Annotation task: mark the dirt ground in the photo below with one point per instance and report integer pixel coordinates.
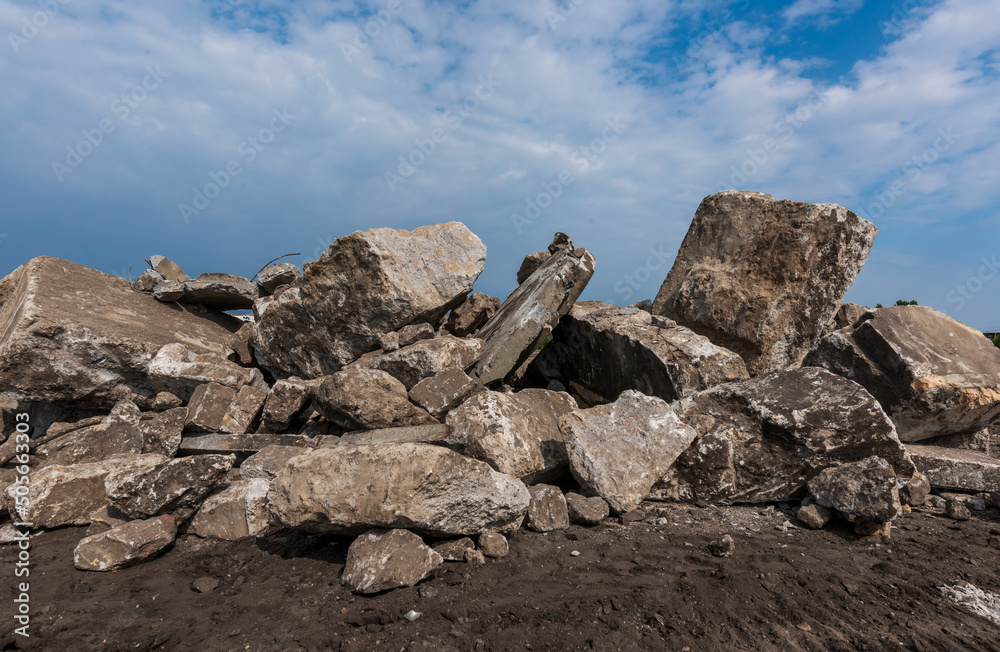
(650, 585)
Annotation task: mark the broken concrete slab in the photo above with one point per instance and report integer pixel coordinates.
(241, 416)
(240, 510)
(953, 469)
(380, 560)
(117, 433)
(517, 433)
(176, 487)
(148, 280)
(412, 363)
(608, 349)
(366, 284)
(286, 400)
(162, 431)
(866, 489)
(268, 462)
(366, 399)
(274, 276)
(167, 268)
(530, 313)
(125, 545)
(241, 445)
(429, 489)
(586, 510)
(221, 291)
(182, 370)
(208, 406)
(443, 392)
(764, 277)
(618, 451)
(470, 315)
(168, 291)
(763, 439)
(74, 337)
(434, 433)
(933, 375)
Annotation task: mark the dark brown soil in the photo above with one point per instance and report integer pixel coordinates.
(651, 585)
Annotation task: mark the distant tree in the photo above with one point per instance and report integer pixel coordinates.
(900, 302)
(996, 340)
(879, 305)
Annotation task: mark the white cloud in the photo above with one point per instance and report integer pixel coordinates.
(827, 11)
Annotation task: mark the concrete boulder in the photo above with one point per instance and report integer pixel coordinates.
(443, 392)
(117, 433)
(619, 450)
(221, 291)
(76, 337)
(429, 489)
(607, 349)
(268, 462)
(547, 509)
(240, 510)
(866, 489)
(530, 313)
(470, 315)
(366, 399)
(764, 277)
(956, 470)
(176, 487)
(933, 375)
(274, 276)
(763, 439)
(381, 559)
(412, 363)
(126, 545)
(516, 433)
(366, 284)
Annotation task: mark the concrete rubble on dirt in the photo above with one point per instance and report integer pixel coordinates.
(375, 395)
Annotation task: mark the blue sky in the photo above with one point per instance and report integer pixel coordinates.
(223, 134)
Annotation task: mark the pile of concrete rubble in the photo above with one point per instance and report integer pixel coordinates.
(375, 395)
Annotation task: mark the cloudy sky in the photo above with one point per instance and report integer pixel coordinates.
(225, 133)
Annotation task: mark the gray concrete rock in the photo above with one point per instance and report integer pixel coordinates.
(168, 269)
(268, 462)
(493, 544)
(933, 375)
(274, 276)
(168, 291)
(619, 450)
(241, 416)
(956, 509)
(916, 490)
(814, 517)
(586, 510)
(425, 488)
(239, 344)
(414, 333)
(366, 284)
(530, 264)
(69, 495)
(166, 401)
(764, 277)
(443, 392)
(286, 400)
(176, 487)
(412, 363)
(182, 370)
(547, 509)
(516, 433)
(956, 470)
(530, 313)
(470, 315)
(433, 433)
(366, 399)
(147, 281)
(74, 337)
(162, 431)
(125, 545)
(763, 439)
(221, 291)
(117, 433)
(607, 349)
(455, 549)
(240, 510)
(865, 489)
(380, 560)
(206, 411)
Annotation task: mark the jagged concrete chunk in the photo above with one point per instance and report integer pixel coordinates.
(956, 470)
(242, 445)
(435, 433)
(764, 277)
(586, 510)
(208, 406)
(531, 312)
(411, 364)
(69, 495)
(147, 281)
(168, 291)
(162, 432)
(168, 269)
(286, 400)
(866, 489)
(608, 349)
(443, 391)
(455, 549)
(242, 412)
(763, 439)
(176, 366)
(119, 432)
(933, 375)
(125, 545)
(516, 433)
(240, 510)
(268, 462)
(221, 291)
(175, 487)
(274, 276)
(414, 333)
(469, 316)
(380, 560)
(74, 337)
(429, 489)
(530, 265)
(366, 284)
(366, 399)
(547, 510)
(619, 450)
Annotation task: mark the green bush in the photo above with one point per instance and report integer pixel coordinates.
(900, 302)
(996, 340)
